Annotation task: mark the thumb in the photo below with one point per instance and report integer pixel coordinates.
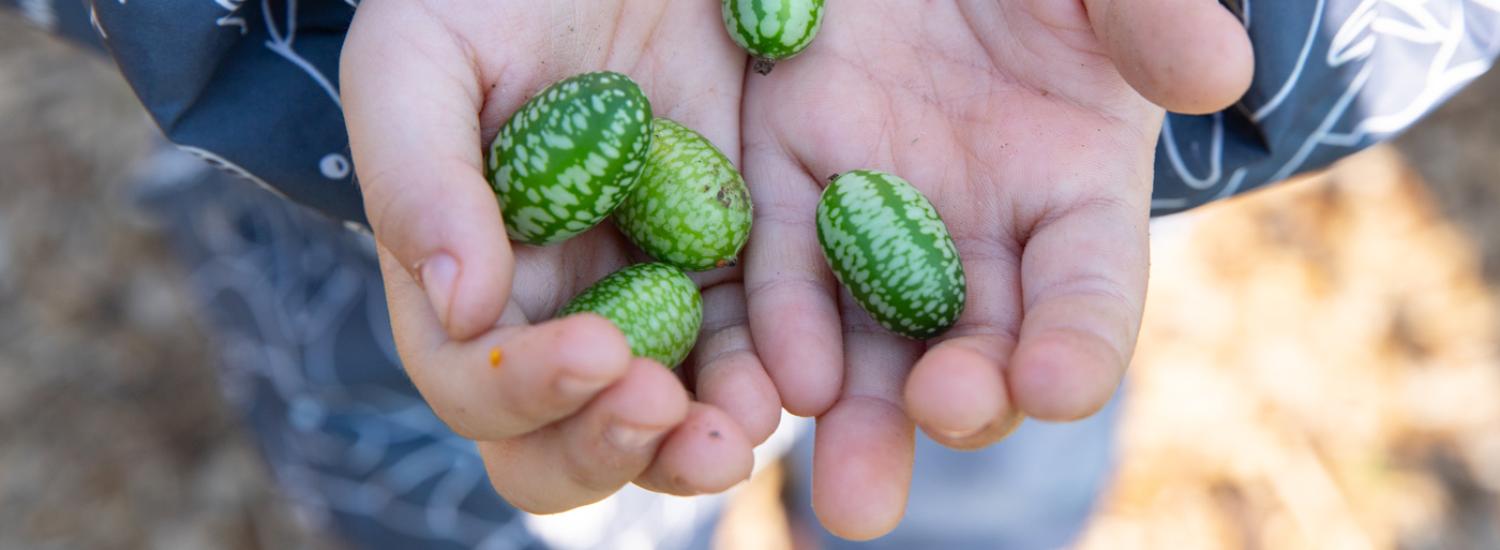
(1187, 56)
(413, 115)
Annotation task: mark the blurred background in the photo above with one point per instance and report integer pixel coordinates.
(1319, 367)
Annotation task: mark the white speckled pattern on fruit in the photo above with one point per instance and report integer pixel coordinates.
(773, 29)
(887, 244)
(656, 305)
(569, 156)
(690, 208)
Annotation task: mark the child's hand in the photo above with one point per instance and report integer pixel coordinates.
(1014, 118)
(562, 414)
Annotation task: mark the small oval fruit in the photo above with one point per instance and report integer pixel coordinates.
(887, 244)
(569, 156)
(656, 305)
(690, 208)
(773, 30)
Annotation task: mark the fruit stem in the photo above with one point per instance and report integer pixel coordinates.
(763, 65)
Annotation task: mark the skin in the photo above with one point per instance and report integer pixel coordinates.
(1031, 126)
(1029, 123)
(567, 417)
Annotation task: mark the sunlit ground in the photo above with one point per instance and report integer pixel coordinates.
(1318, 369)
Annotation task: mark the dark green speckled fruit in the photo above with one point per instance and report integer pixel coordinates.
(886, 243)
(569, 156)
(656, 305)
(773, 30)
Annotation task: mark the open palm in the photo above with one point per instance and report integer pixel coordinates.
(1019, 124)
(562, 414)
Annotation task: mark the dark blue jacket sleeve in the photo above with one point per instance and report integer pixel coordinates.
(251, 86)
(1331, 78)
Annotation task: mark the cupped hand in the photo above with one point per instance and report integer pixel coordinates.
(1031, 126)
(562, 414)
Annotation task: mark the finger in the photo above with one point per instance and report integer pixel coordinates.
(791, 293)
(699, 87)
(507, 381)
(1188, 56)
(958, 396)
(707, 453)
(411, 101)
(590, 456)
(864, 445)
(728, 374)
(957, 392)
(1084, 289)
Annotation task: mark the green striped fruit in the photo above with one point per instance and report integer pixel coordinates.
(772, 30)
(656, 305)
(569, 156)
(690, 208)
(886, 243)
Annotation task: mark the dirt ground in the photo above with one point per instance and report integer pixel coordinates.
(1319, 362)
(112, 431)
(1318, 367)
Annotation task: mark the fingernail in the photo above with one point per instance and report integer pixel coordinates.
(577, 389)
(632, 439)
(437, 275)
(959, 435)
